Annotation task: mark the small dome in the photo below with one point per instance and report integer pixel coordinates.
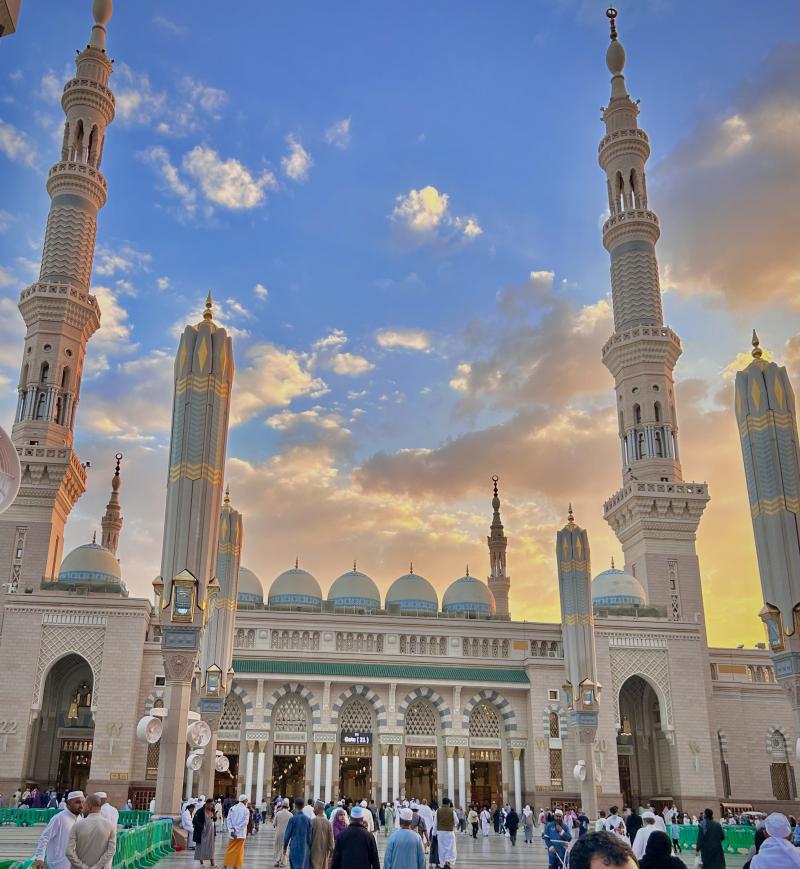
(413, 594)
(250, 592)
(615, 58)
(354, 590)
(295, 589)
(469, 596)
(91, 564)
(617, 588)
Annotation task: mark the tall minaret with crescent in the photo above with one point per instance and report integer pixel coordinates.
(499, 581)
(60, 315)
(656, 513)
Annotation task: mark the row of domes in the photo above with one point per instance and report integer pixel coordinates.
(412, 594)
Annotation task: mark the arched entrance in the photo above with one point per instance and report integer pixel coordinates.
(643, 750)
(485, 754)
(64, 731)
(421, 755)
(228, 742)
(290, 736)
(356, 727)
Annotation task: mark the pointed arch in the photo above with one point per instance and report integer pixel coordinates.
(500, 703)
(359, 691)
(547, 720)
(150, 700)
(436, 699)
(293, 688)
(247, 703)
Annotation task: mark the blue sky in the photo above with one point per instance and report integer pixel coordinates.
(398, 209)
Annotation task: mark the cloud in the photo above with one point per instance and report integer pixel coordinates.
(737, 177)
(136, 102)
(260, 291)
(113, 336)
(12, 334)
(51, 87)
(228, 183)
(127, 258)
(403, 339)
(171, 180)
(7, 278)
(169, 26)
(328, 354)
(6, 219)
(163, 283)
(297, 163)
(460, 380)
(425, 214)
(16, 145)
(273, 377)
(338, 134)
(316, 425)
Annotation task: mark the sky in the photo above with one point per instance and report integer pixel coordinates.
(397, 209)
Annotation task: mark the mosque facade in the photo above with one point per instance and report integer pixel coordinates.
(324, 689)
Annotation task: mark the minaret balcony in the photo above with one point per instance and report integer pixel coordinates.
(656, 507)
(622, 143)
(635, 223)
(79, 178)
(85, 92)
(60, 303)
(649, 345)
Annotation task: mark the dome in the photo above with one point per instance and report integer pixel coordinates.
(91, 564)
(468, 596)
(354, 590)
(250, 592)
(617, 588)
(413, 594)
(295, 589)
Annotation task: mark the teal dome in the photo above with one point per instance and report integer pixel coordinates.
(354, 590)
(469, 596)
(295, 589)
(92, 565)
(414, 595)
(250, 592)
(616, 588)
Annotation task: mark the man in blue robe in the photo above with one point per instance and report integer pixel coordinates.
(297, 838)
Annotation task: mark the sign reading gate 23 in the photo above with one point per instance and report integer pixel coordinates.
(354, 737)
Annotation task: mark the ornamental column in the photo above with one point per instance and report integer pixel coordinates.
(317, 785)
(396, 772)
(462, 791)
(384, 773)
(248, 775)
(328, 771)
(767, 418)
(262, 748)
(517, 753)
(451, 763)
(203, 380)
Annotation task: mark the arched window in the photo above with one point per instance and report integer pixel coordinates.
(421, 720)
(58, 411)
(290, 713)
(93, 143)
(780, 770)
(412, 646)
(65, 143)
(357, 715)
(619, 193)
(657, 411)
(403, 644)
(475, 649)
(659, 445)
(78, 156)
(637, 414)
(641, 450)
(231, 713)
(483, 722)
(40, 406)
(423, 646)
(555, 725)
(634, 190)
(44, 372)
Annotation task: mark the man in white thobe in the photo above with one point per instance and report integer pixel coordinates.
(643, 834)
(486, 819)
(52, 847)
(109, 812)
(426, 813)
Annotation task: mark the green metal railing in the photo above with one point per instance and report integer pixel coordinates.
(137, 848)
(737, 839)
(26, 817)
(130, 818)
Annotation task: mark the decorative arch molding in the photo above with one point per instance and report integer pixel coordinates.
(150, 700)
(359, 691)
(652, 665)
(293, 688)
(436, 700)
(500, 704)
(777, 744)
(57, 642)
(562, 720)
(247, 703)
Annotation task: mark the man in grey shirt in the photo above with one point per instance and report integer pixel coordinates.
(92, 843)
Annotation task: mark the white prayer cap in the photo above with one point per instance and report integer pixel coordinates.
(648, 816)
(242, 798)
(74, 795)
(558, 812)
(405, 804)
(406, 815)
(357, 812)
(363, 804)
(102, 794)
(778, 825)
(285, 802)
(414, 807)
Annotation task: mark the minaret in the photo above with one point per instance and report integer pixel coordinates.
(200, 411)
(581, 691)
(111, 522)
(60, 316)
(499, 581)
(767, 419)
(655, 515)
(216, 660)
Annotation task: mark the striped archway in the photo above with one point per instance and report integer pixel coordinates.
(500, 704)
(437, 701)
(359, 691)
(293, 688)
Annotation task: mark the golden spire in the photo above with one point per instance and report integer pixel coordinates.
(411, 567)
(208, 314)
(611, 14)
(94, 537)
(227, 499)
(757, 351)
(570, 517)
(296, 563)
(355, 569)
(467, 573)
(612, 563)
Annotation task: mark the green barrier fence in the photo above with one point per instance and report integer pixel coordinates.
(26, 817)
(737, 839)
(132, 819)
(137, 848)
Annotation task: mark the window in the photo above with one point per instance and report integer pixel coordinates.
(484, 722)
(357, 715)
(553, 694)
(420, 719)
(19, 553)
(231, 713)
(555, 726)
(723, 754)
(291, 713)
(159, 681)
(637, 414)
(151, 765)
(556, 769)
